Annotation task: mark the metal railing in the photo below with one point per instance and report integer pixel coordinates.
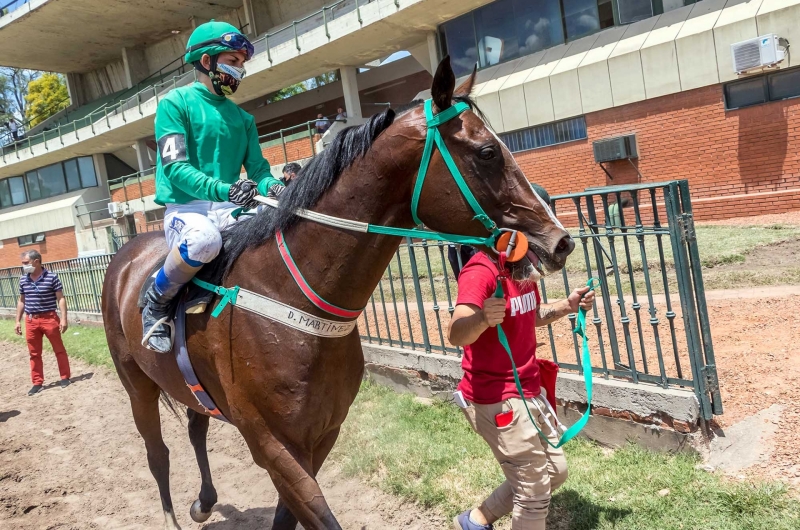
(82, 279)
(7, 8)
(283, 137)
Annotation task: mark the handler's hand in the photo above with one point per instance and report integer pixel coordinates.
(63, 325)
(575, 301)
(18, 328)
(494, 310)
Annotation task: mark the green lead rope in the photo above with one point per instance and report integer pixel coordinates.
(580, 329)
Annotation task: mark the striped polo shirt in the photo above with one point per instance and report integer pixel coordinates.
(40, 295)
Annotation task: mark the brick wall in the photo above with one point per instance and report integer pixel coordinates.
(133, 191)
(751, 156)
(58, 244)
(295, 150)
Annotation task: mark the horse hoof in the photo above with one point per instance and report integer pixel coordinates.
(197, 514)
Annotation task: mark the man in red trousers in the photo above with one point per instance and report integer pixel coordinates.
(41, 293)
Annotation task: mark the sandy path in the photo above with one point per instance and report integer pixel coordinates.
(72, 460)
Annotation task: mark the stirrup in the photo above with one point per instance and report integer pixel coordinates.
(163, 320)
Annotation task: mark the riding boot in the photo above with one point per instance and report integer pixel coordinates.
(157, 327)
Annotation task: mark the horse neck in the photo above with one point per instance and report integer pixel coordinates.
(344, 267)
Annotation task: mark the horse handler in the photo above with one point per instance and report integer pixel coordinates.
(40, 291)
(488, 396)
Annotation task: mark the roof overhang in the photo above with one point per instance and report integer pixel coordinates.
(83, 35)
(43, 217)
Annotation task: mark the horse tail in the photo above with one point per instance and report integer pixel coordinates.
(171, 404)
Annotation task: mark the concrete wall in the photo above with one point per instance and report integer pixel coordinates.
(103, 81)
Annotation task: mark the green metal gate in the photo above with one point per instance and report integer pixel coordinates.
(645, 254)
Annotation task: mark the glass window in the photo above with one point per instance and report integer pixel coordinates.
(545, 135)
(51, 179)
(73, 177)
(34, 192)
(461, 44)
(784, 85)
(581, 18)
(497, 33)
(745, 93)
(634, 10)
(5, 194)
(17, 187)
(538, 24)
(605, 12)
(31, 239)
(88, 176)
(670, 5)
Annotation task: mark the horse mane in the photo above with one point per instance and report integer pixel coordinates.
(313, 180)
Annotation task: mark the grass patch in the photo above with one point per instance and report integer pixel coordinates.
(428, 454)
(87, 343)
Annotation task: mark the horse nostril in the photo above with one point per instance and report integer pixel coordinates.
(565, 246)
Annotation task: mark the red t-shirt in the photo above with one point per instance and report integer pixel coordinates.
(488, 377)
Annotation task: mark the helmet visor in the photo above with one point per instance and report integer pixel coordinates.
(234, 41)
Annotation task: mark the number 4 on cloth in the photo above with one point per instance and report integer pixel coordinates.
(172, 148)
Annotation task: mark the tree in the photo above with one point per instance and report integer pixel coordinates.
(14, 87)
(46, 96)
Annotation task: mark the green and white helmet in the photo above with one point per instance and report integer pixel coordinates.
(213, 38)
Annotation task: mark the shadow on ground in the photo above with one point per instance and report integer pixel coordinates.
(237, 520)
(5, 416)
(76, 379)
(571, 511)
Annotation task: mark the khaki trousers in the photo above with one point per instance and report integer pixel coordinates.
(532, 468)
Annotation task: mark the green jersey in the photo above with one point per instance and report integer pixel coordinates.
(203, 142)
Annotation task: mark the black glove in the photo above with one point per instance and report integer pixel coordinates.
(242, 193)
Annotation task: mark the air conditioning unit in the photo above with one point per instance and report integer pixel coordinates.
(618, 148)
(117, 209)
(762, 52)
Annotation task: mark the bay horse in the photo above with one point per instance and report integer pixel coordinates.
(286, 391)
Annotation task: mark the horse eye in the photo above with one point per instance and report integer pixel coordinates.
(487, 153)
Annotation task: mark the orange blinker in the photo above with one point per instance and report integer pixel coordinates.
(519, 248)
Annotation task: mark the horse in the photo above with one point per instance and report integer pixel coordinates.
(286, 391)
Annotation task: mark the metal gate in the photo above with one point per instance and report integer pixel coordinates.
(638, 239)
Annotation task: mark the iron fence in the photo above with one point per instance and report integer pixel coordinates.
(650, 318)
(82, 279)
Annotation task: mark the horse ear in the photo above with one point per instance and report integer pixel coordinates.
(465, 89)
(444, 82)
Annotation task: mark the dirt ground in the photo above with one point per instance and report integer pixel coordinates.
(72, 460)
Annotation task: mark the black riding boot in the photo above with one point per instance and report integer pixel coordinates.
(157, 328)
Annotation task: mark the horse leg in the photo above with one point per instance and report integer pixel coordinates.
(292, 474)
(284, 519)
(198, 431)
(144, 395)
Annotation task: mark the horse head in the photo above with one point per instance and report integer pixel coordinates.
(491, 174)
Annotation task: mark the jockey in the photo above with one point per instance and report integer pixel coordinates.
(204, 139)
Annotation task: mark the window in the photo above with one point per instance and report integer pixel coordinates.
(73, 177)
(580, 18)
(154, 215)
(545, 135)
(51, 180)
(31, 239)
(17, 188)
(634, 10)
(538, 24)
(460, 43)
(32, 179)
(784, 84)
(5, 194)
(496, 32)
(88, 176)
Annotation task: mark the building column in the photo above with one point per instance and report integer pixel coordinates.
(143, 155)
(75, 90)
(135, 64)
(352, 103)
(427, 52)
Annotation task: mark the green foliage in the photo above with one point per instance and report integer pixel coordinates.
(46, 96)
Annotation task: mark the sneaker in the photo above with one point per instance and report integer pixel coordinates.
(463, 522)
(35, 390)
(65, 383)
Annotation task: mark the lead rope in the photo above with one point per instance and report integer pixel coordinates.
(580, 329)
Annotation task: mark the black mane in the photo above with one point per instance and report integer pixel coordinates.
(311, 183)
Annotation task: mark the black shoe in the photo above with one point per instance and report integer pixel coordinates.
(157, 328)
(65, 383)
(35, 390)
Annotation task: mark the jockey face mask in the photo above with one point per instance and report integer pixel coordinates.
(224, 78)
